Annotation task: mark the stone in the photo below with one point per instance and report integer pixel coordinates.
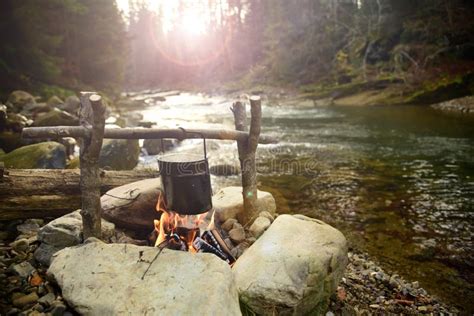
(47, 299)
(70, 105)
(267, 215)
(463, 105)
(237, 235)
(54, 101)
(119, 154)
(155, 146)
(228, 203)
(19, 99)
(56, 117)
(20, 245)
(58, 309)
(224, 170)
(24, 300)
(65, 231)
(132, 206)
(109, 280)
(293, 268)
(46, 155)
(23, 269)
(228, 224)
(259, 226)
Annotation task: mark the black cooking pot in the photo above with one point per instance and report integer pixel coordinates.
(186, 182)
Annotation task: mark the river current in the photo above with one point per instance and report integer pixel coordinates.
(398, 181)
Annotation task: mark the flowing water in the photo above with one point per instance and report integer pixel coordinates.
(398, 181)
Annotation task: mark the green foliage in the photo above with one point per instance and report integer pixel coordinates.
(73, 43)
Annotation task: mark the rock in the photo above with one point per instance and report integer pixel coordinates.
(47, 155)
(45, 252)
(267, 215)
(259, 226)
(107, 280)
(19, 99)
(132, 206)
(70, 105)
(28, 227)
(237, 235)
(47, 299)
(58, 309)
(228, 203)
(228, 224)
(293, 268)
(20, 245)
(10, 141)
(65, 231)
(155, 146)
(459, 105)
(16, 122)
(23, 269)
(56, 117)
(119, 154)
(54, 101)
(26, 300)
(224, 170)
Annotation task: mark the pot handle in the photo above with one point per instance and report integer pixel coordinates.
(202, 136)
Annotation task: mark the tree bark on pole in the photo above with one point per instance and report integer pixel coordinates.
(92, 117)
(247, 149)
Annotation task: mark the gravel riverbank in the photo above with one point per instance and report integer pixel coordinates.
(364, 290)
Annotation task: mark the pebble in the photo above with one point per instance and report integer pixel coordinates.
(47, 299)
(259, 226)
(237, 235)
(20, 245)
(26, 300)
(267, 215)
(58, 309)
(375, 306)
(23, 269)
(228, 224)
(422, 308)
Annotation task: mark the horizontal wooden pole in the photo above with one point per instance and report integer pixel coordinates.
(39, 193)
(141, 133)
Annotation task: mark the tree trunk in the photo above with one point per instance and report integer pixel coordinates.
(41, 193)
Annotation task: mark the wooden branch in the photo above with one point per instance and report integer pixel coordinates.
(247, 150)
(43, 193)
(92, 117)
(140, 133)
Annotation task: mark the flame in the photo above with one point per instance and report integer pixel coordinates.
(175, 227)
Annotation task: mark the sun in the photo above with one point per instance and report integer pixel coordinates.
(193, 24)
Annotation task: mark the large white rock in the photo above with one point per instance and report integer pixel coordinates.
(106, 279)
(293, 268)
(228, 202)
(133, 205)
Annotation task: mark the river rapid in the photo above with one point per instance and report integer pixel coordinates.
(397, 181)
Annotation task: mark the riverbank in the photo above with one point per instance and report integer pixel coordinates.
(365, 288)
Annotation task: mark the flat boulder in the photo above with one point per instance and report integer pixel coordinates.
(119, 154)
(46, 155)
(132, 206)
(228, 203)
(293, 268)
(108, 279)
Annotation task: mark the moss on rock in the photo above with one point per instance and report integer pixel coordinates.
(47, 155)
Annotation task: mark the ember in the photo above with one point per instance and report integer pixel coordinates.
(193, 233)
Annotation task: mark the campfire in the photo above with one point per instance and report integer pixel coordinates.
(193, 233)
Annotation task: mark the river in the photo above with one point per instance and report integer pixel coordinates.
(398, 181)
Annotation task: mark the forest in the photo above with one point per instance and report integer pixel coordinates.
(74, 44)
(236, 157)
